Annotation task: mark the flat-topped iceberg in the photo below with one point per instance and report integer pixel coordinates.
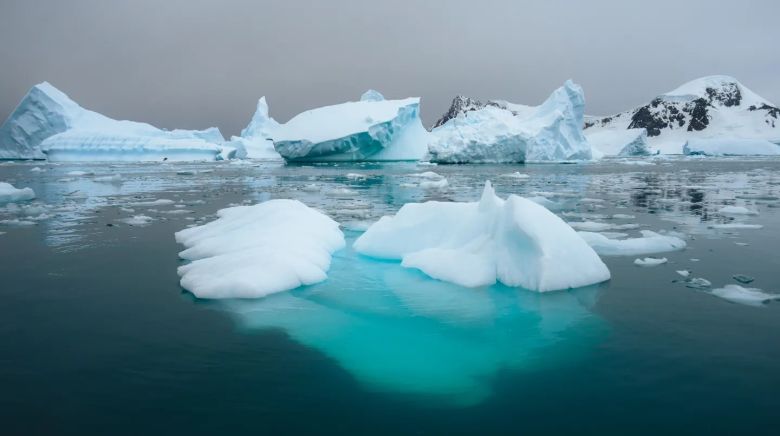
(649, 243)
(500, 132)
(10, 194)
(256, 140)
(48, 124)
(373, 129)
(730, 147)
(254, 251)
(514, 241)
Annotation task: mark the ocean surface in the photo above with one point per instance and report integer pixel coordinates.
(97, 336)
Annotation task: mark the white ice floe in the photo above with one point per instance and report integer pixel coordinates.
(684, 273)
(113, 178)
(138, 220)
(736, 210)
(254, 251)
(649, 243)
(513, 241)
(10, 194)
(593, 226)
(747, 296)
(650, 261)
(736, 226)
(503, 132)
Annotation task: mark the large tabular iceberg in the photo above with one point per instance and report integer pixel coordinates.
(504, 132)
(372, 129)
(514, 241)
(47, 123)
(254, 251)
(256, 141)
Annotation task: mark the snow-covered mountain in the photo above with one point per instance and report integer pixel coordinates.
(498, 131)
(709, 108)
(48, 124)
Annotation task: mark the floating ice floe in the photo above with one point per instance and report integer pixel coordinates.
(113, 178)
(747, 296)
(48, 124)
(138, 220)
(10, 194)
(593, 226)
(736, 226)
(372, 129)
(650, 261)
(649, 243)
(514, 241)
(736, 210)
(254, 251)
(502, 132)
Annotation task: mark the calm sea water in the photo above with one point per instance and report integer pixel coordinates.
(97, 336)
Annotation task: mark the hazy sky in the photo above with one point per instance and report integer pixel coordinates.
(194, 64)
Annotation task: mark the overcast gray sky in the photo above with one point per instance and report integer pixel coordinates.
(198, 63)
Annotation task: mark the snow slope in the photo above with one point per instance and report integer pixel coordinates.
(514, 241)
(254, 251)
(47, 123)
(471, 132)
(707, 108)
(370, 129)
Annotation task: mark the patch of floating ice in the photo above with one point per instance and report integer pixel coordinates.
(684, 272)
(747, 296)
(138, 220)
(158, 202)
(514, 241)
(649, 243)
(698, 283)
(736, 210)
(254, 251)
(79, 173)
(735, 226)
(516, 175)
(113, 178)
(10, 194)
(650, 261)
(593, 226)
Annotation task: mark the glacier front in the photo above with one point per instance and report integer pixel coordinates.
(48, 124)
(514, 241)
(372, 129)
(501, 132)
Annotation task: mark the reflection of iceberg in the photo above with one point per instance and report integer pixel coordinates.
(395, 330)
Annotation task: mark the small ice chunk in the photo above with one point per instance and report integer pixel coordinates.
(138, 220)
(650, 261)
(649, 243)
(747, 296)
(79, 173)
(736, 226)
(743, 278)
(9, 194)
(516, 175)
(684, 273)
(736, 210)
(698, 283)
(113, 178)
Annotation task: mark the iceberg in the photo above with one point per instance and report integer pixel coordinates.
(514, 241)
(372, 129)
(256, 140)
(649, 243)
(255, 251)
(48, 124)
(623, 143)
(747, 296)
(501, 132)
(730, 147)
(10, 194)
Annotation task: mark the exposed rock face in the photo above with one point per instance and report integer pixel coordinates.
(707, 107)
(461, 105)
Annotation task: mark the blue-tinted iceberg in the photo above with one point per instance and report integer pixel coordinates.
(373, 129)
(254, 251)
(10, 194)
(48, 124)
(256, 140)
(501, 132)
(730, 147)
(514, 241)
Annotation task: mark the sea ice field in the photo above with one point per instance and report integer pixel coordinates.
(96, 324)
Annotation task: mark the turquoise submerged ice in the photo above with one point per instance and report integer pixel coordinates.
(397, 331)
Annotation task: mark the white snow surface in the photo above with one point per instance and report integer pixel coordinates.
(48, 124)
(629, 142)
(649, 243)
(366, 130)
(752, 118)
(254, 251)
(549, 132)
(514, 241)
(10, 194)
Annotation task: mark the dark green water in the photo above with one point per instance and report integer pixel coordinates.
(97, 337)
